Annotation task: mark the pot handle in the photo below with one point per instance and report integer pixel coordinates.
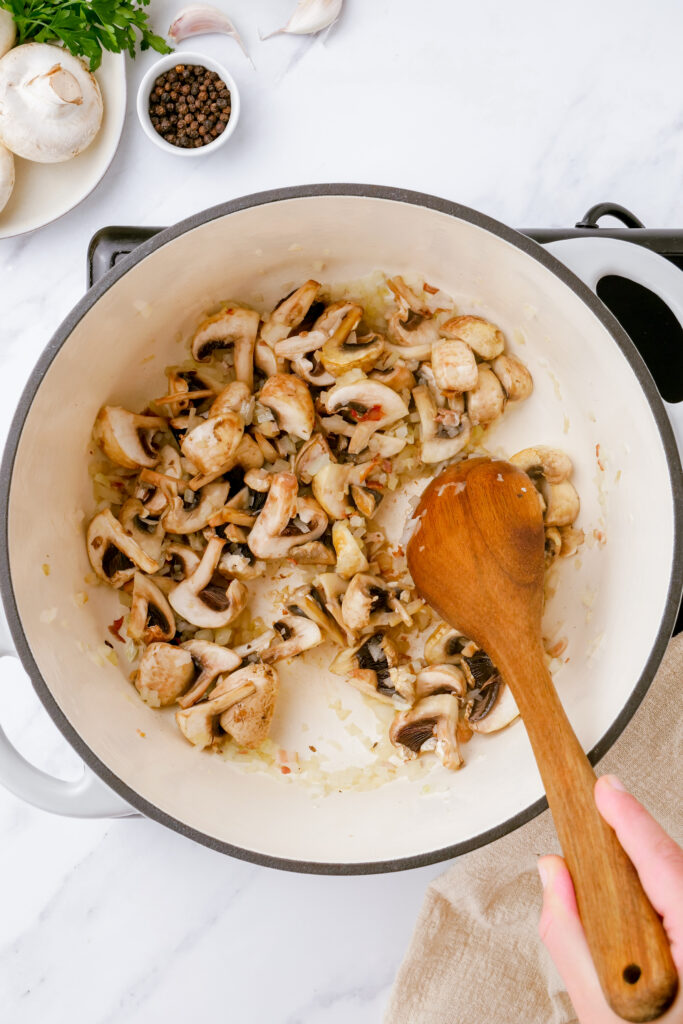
(87, 797)
(594, 258)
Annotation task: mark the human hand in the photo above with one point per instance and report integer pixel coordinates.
(659, 863)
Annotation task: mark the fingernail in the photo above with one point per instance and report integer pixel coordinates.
(543, 872)
(615, 783)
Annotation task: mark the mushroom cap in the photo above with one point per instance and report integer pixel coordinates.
(8, 32)
(436, 679)
(311, 457)
(503, 712)
(289, 399)
(483, 337)
(289, 312)
(113, 553)
(486, 401)
(382, 406)
(551, 463)
(151, 616)
(211, 660)
(297, 633)
(205, 602)
(6, 171)
(431, 718)
(50, 104)
(236, 326)
(179, 519)
(164, 673)
(123, 436)
(211, 445)
(513, 375)
(248, 721)
(453, 365)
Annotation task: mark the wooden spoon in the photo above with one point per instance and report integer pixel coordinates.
(477, 557)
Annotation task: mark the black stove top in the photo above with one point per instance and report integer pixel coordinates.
(650, 323)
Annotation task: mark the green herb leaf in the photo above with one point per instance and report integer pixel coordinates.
(86, 28)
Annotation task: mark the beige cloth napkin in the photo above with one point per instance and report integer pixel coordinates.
(475, 957)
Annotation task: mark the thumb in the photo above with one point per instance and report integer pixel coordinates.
(562, 934)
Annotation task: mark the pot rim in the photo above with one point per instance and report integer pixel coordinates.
(532, 249)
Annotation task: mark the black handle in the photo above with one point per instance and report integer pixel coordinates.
(111, 244)
(590, 219)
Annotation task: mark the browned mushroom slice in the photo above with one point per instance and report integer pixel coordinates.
(308, 602)
(206, 600)
(199, 724)
(369, 405)
(311, 457)
(435, 679)
(212, 444)
(350, 554)
(248, 720)
(113, 553)
(444, 646)
(295, 635)
(483, 337)
(144, 529)
(193, 510)
(331, 484)
(151, 616)
(412, 325)
(453, 366)
(286, 520)
(158, 487)
(164, 673)
(486, 401)
(444, 432)
(373, 668)
(289, 399)
(210, 661)
(514, 376)
(313, 552)
(127, 438)
(235, 327)
(188, 388)
(431, 723)
(289, 312)
(398, 378)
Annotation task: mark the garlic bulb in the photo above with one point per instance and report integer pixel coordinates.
(310, 16)
(203, 19)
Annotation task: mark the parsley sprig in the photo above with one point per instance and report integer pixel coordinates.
(86, 27)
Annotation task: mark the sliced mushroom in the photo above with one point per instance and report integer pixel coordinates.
(266, 360)
(550, 463)
(248, 721)
(204, 600)
(234, 326)
(296, 634)
(285, 520)
(454, 366)
(313, 552)
(398, 378)
(483, 337)
(311, 457)
(553, 545)
(212, 445)
(164, 480)
(444, 433)
(164, 673)
(350, 555)
(290, 401)
(332, 588)
(369, 602)
(562, 503)
(433, 718)
(364, 500)
(199, 724)
(183, 561)
(234, 397)
(194, 514)
(371, 667)
(151, 616)
(437, 679)
(412, 324)
(514, 376)
(145, 531)
(209, 661)
(444, 646)
(189, 388)
(486, 401)
(502, 712)
(372, 406)
(289, 313)
(347, 350)
(331, 485)
(237, 559)
(126, 438)
(312, 370)
(113, 553)
(306, 601)
(571, 540)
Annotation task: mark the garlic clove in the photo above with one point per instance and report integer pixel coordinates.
(204, 19)
(309, 17)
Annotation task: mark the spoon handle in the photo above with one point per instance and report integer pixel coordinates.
(625, 935)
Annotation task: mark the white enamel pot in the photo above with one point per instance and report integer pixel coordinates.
(616, 604)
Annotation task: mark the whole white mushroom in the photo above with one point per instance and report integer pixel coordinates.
(50, 104)
(6, 176)
(8, 32)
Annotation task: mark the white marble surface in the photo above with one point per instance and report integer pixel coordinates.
(530, 112)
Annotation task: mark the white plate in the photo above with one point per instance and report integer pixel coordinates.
(44, 192)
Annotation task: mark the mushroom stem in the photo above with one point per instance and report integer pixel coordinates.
(55, 86)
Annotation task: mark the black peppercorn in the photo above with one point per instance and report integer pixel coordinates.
(189, 106)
